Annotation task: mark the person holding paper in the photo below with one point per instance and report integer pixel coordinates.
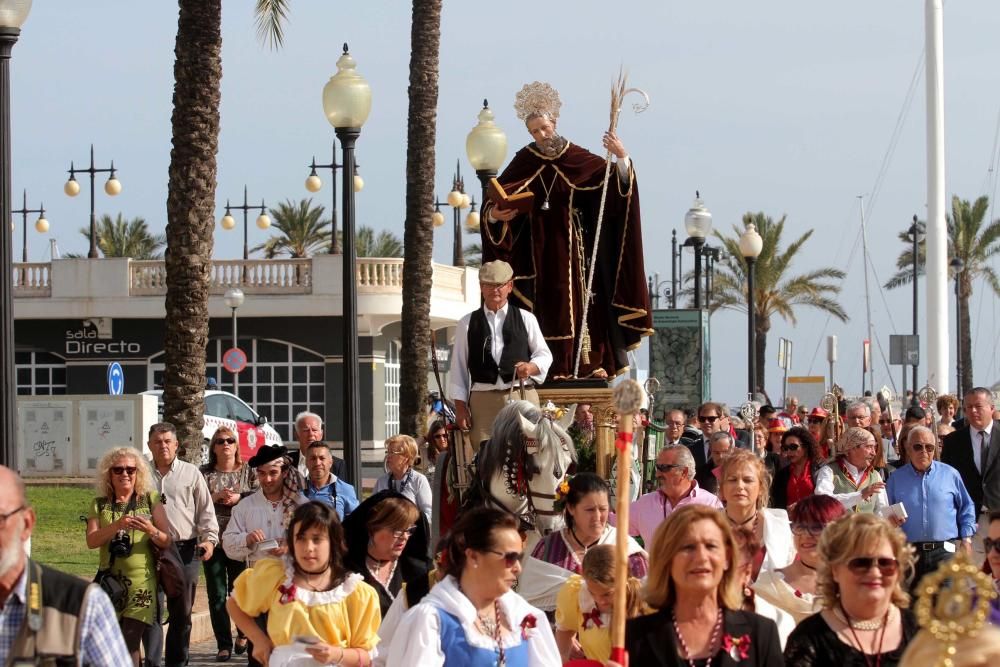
(850, 478)
(941, 516)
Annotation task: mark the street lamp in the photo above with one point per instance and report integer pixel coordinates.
(750, 246)
(112, 187)
(486, 147)
(12, 16)
(41, 225)
(657, 287)
(957, 265)
(228, 221)
(234, 299)
(458, 200)
(347, 100)
(698, 224)
(915, 236)
(314, 183)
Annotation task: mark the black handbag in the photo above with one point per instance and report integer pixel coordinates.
(112, 584)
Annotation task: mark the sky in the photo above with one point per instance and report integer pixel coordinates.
(784, 107)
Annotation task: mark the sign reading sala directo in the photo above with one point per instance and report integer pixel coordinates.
(94, 338)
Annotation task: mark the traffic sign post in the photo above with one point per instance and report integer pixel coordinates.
(234, 360)
(116, 379)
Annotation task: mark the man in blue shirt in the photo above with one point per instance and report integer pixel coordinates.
(323, 485)
(941, 515)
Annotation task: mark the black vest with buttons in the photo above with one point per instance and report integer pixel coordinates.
(482, 367)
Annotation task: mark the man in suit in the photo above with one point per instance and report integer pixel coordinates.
(974, 450)
(309, 429)
(712, 419)
(675, 423)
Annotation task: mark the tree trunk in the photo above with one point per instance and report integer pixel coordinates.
(191, 217)
(965, 339)
(763, 326)
(418, 235)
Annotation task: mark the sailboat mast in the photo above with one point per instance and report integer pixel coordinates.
(868, 299)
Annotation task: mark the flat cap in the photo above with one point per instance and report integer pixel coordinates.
(495, 273)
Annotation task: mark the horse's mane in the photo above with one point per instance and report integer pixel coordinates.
(506, 432)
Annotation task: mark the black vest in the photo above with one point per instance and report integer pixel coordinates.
(482, 367)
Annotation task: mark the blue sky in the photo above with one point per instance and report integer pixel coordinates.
(783, 107)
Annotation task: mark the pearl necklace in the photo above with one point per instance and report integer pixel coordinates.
(874, 624)
(713, 642)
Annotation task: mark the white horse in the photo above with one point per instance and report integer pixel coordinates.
(523, 462)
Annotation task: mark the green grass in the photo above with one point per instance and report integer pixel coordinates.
(59, 538)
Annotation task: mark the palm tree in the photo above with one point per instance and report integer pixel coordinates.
(125, 238)
(473, 253)
(192, 176)
(369, 244)
(974, 241)
(418, 233)
(303, 231)
(776, 292)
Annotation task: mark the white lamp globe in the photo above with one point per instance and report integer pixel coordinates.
(72, 187)
(41, 225)
(437, 218)
(228, 222)
(314, 183)
(263, 222)
(359, 183)
(113, 186)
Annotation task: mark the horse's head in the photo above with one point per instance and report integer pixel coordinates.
(549, 455)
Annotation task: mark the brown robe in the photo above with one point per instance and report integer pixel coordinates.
(549, 250)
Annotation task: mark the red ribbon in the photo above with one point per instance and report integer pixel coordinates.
(619, 655)
(623, 441)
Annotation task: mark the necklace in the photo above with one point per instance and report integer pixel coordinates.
(806, 565)
(884, 623)
(876, 624)
(377, 573)
(307, 576)
(545, 204)
(586, 547)
(741, 523)
(491, 627)
(713, 641)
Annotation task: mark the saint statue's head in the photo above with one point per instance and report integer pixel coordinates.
(538, 104)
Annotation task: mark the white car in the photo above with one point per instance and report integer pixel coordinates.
(225, 409)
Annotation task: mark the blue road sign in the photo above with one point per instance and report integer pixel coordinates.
(116, 379)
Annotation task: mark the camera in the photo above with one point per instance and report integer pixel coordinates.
(200, 552)
(120, 545)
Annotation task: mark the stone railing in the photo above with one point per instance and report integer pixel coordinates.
(254, 276)
(32, 279)
(375, 272)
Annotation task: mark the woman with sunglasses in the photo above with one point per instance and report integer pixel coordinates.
(743, 490)
(436, 442)
(229, 480)
(792, 589)
(126, 517)
(865, 621)
(472, 618)
(387, 545)
(400, 455)
(797, 479)
(694, 586)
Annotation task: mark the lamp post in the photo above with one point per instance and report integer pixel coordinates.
(915, 237)
(12, 16)
(486, 147)
(41, 225)
(698, 224)
(314, 184)
(657, 287)
(228, 222)
(112, 187)
(234, 299)
(750, 246)
(458, 200)
(957, 265)
(347, 101)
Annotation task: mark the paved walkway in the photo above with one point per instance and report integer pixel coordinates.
(203, 655)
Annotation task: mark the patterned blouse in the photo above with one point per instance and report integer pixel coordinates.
(243, 481)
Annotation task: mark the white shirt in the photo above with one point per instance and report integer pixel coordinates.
(252, 513)
(459, 379)
(977, 439)
(824, 487)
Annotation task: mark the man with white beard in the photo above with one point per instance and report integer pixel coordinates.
(44, 611)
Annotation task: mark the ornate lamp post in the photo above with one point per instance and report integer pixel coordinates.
(347, 101)
(916, 237)
(228, 222)
(234, 299)
(698, 224)
(41, 225)
(314, 184)
(112, 187)
(957, 265)
(486, 147)
(12, 16)
(750, 246)
(458, 200)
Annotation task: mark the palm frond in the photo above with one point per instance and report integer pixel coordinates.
(269, 18)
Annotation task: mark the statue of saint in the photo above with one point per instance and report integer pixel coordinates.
(550, 247)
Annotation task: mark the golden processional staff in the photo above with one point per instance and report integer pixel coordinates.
(618, 93)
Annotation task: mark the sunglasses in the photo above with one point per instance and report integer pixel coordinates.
(225, 441)
(400, 534)
(667, 467)
(708, 419)
(792, 447)
(886, 566)
(126, 470)
(440, 435)
(991, 545)
(813, 529)
(509, 558)
(922, 447)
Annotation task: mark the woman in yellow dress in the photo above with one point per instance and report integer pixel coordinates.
(583, 607)
(315, 608)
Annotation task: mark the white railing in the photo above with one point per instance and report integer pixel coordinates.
(32, 279)
(253, 276)
(375, 272)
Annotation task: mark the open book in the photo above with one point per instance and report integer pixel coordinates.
(521, 202)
